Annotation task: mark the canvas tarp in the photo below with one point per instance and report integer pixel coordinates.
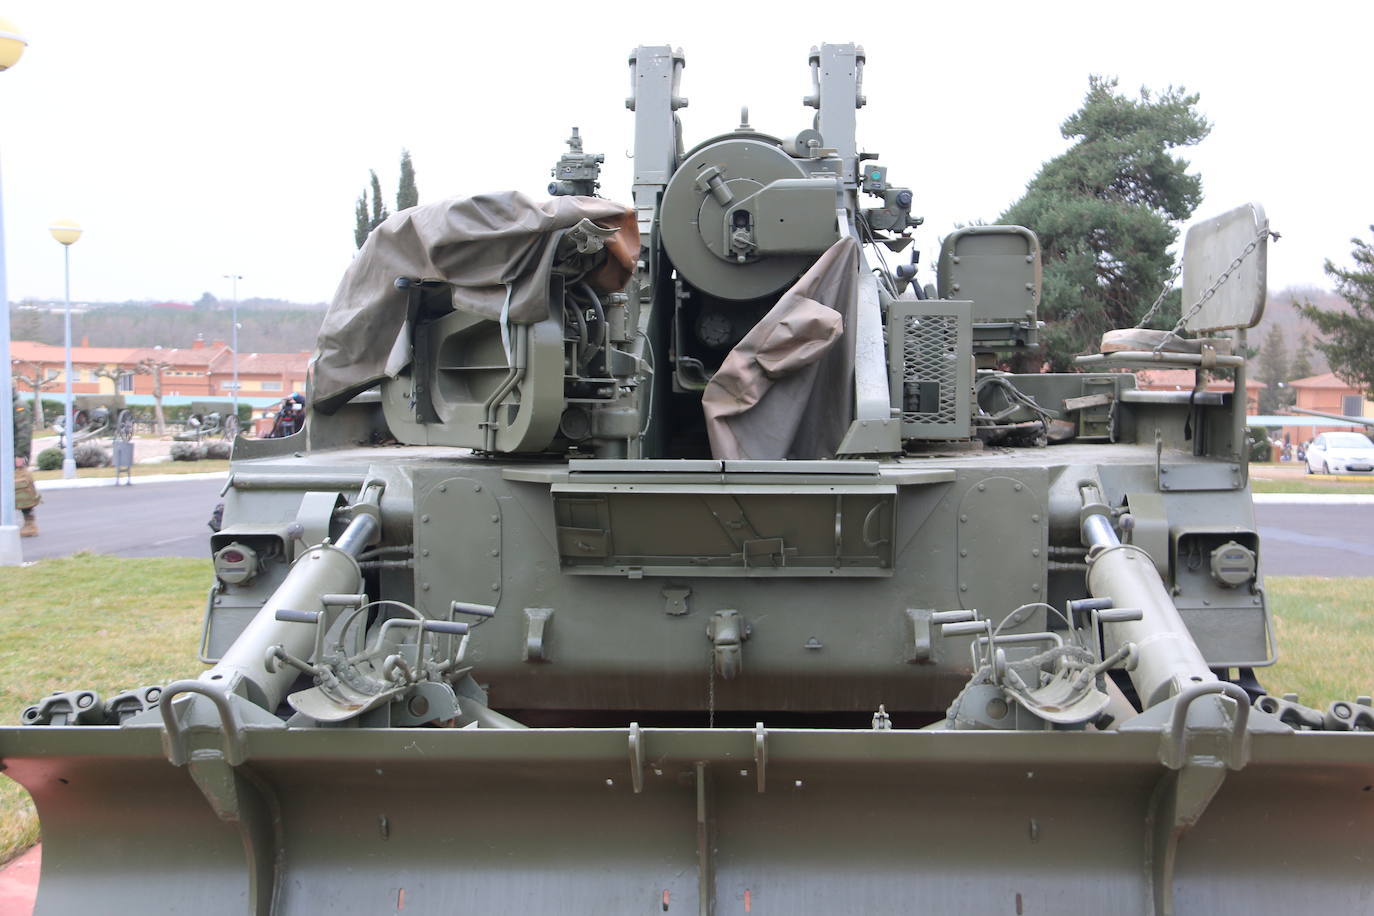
(787, 389)
(495, 251)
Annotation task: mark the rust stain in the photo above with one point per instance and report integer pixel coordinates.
(400, 900)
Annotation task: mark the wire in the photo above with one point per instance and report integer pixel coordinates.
(648, 352)
(886, 275)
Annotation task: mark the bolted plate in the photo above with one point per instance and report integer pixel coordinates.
(457, 545)
(1003, 530)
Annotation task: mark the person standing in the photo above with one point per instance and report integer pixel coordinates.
(26, 496)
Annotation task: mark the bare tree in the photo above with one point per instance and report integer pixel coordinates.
(155, 367)
(115, 375)
(35, 376)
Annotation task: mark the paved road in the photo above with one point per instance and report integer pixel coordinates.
(168, 519)
(142, 520)
(1316, 540)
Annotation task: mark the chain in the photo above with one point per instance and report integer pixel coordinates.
(711, 689)
(1163, 293)
(1211, 291)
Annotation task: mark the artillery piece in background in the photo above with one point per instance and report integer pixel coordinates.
(96, 417)
(685, 558)
(209, 420)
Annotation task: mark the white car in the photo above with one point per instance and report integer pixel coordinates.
(1340, 453)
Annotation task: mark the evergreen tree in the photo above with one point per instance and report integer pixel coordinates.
(25, 324)
(363, 222)
(379, 213)
(407, 195)
(1349, 344)
(1302, 358)
(1105, 212)
(361, 225)
(1273, 371)
(370, 212)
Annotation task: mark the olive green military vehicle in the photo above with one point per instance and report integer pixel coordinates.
(685, 557)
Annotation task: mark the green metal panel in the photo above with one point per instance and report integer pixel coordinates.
(550, 821)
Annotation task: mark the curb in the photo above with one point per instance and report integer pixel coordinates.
(1319, 499)
(84, 482)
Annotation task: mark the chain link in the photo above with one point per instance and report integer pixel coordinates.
(1211, 291)
(1163, 293)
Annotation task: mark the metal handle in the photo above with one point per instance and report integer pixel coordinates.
(477, 610)
(454, 628)
(964, 629)
(286, 615)
(230, 725)
(1173, 750)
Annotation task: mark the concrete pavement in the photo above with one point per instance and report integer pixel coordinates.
(151, 518)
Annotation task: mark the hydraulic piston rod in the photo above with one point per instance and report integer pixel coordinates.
(325, 569)
(1167, 658)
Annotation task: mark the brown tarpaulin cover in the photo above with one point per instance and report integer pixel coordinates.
(485, 247)
(787, 389)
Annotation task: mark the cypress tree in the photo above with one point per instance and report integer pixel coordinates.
(407, 195)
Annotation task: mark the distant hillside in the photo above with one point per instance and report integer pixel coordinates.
(1282, 310)
(265, 326)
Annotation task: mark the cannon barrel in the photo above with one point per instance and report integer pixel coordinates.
(324, 569)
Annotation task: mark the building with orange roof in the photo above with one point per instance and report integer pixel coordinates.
(202, 370)
(1329, 393)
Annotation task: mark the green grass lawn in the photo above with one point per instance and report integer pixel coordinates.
(203, 466)
(91, 621)
(1314, 484)
(111, 624)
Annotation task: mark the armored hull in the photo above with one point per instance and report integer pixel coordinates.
(684, 557)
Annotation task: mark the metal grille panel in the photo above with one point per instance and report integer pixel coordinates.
(930, 352)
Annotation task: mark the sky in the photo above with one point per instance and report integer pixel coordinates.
(195, 140)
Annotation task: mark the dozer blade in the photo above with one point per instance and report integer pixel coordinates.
(611, 821)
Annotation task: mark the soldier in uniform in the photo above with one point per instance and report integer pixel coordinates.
(25, 493)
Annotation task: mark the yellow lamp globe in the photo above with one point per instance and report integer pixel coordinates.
(12, 44)
(66, 231)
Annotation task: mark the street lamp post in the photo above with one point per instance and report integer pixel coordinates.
(66, 232)
(12, 46)
(234, 336)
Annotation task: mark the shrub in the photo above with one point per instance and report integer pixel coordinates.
(50, 459)
(89, 455)
(187, 451)
(218, 448)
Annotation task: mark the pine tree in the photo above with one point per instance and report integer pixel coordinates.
(1105, 211)
(1349, 344)
(1302, 358)
(407, 195)
(1273, 371)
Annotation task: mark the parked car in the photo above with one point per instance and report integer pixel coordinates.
(1340, 453)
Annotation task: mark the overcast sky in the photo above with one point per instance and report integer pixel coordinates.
(197, 139)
